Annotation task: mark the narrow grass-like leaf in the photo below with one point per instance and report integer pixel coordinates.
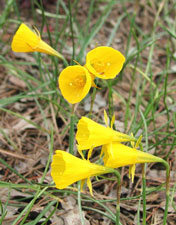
(42, 213)
(14, 171)
(27, 209)
(96, 28)
(22, 117)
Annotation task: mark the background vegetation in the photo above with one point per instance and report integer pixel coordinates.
(34, 117)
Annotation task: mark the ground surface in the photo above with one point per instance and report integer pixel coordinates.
(34, 118)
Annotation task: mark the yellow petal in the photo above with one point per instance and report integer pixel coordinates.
(101, 153)
(118, 155)
(94, 85)
(67, 169)
(112, 120)
(89, 184)
(82, 184)
(90, 133)
(74, 83)
(132, 172)
(45, 48)
(132, 142)
(106, 118)
(104, 62)
(25, 40)
(138, 141)
(92, 78)
(81, 153)
(90, 153)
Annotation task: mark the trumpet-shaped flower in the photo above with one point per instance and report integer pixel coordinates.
(91, 134)
(104, 62)
(67, 169)
(118, 155)
(74, 83)
(25, 40)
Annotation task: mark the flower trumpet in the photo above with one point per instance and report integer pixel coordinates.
(25, 40)
(74, 83)
(104, 62)
(91, 134)
(66, 169)
(118, 155)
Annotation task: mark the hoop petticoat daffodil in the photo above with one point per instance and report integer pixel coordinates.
(104, 62)
(67, 169)
(25, 40)
(74, 83)
(118, 155)
(91, 134)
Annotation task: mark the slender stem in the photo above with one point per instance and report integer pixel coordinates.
(144, 192)
(79, 203)
(92, 101)
(167, 191)
(65, 61)
(144, 180)
(118, 197)
(110, 98)
(71, 29)
(50, 155)
(71, 133)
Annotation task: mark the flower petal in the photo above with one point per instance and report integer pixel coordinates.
(74, 83)
(118, 155)
(132, 172)
(104, 62)
(90, 133)
(106, 118)
(67, 169)
(89, 184)
(25, 40)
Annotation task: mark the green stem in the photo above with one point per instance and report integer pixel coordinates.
(50, 155)
(118, 197)
(144, 192)
(92, 101)
(71, 29)
(110, 99)
(167, 191)
(144, 178)
(79, 203)
(71, 133)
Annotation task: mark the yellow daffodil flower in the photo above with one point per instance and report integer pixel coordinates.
(118, 155)
(91, 134)
(67, 169)
(25, 40)
(74, 83)
(104, 62)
